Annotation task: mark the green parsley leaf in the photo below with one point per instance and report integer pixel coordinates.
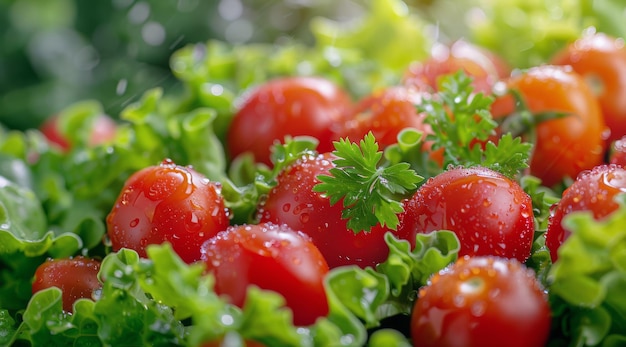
(370, 191)
(461, 121)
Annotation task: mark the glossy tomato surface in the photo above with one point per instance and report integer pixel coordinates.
(484, 67)
(481, 302)
(593, 190)
(293, 202)
(385, 113)
(167, 202)
(490, 213)
(76, 277)
(272, 257)
(312, 106)
(567, 145)
(601, 60)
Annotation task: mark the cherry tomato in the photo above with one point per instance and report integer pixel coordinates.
(293, 202)
(167, 202)
(311, 106)
(601, 60)
(103, 130)
(617, 155)
(485, 68)
(481, 301)
(272, 257)
(593, 190)
(385, 113)
(77, 278)
(490, 213)
(564, 146)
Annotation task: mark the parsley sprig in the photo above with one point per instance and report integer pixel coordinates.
(371, 191)
(461, 121)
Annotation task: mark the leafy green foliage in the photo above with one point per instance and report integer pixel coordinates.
(461, 120)
(588, 278)
(369, 190)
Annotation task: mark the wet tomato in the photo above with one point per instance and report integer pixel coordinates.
(563, 146)
(272, 257)
(601, 60)
(77, 278)
(293, 106)
(293, 202)
(483, 66)
(593, 190)
(490, 213)
(481, 301)
(167, 202)
(386, 112)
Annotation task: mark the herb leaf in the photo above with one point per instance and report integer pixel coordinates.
(461, 121)
(369, 189)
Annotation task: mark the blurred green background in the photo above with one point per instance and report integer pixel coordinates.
(56, 52)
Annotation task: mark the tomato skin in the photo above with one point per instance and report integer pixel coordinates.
(272, 257)
(481, 301)
(565, 146)
(77, 277)
(385, 113)
(293, 202)
(593, 190)
(483, 66)
(167, 202)
(103, 130)
(490, 213)
(601, 60)
(294, 106)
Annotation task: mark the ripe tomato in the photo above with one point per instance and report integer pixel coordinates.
(272, 257)
(170, 203)
(77, 277)
(481, 301)
(483, 66)
(601, 60)
(293, 202)
(490, 213)
(311, 106)
(593, 190)
(385, 113)
(565, 146)
(103, 130)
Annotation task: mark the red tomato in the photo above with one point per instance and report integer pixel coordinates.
(490, 213)
(618, 152)
(385, 113)
(104, 129)
(601, 60)
(594, 191)
(272, 257)
(484, 67)
(293, 202)
(565, 146)
(293, 106)
(482, 301)
(170, 203)
(77, 277)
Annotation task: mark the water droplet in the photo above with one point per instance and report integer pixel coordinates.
(192, 222)
(134, 222)
(478, 308)
(286, 207)
(304, 218)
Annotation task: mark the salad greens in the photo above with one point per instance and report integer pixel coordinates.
(54, 204)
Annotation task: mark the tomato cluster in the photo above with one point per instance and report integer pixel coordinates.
(571, 110)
